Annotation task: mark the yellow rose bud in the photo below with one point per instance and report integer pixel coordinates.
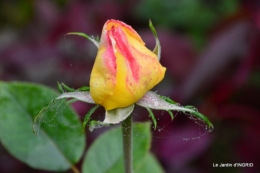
(124, 69)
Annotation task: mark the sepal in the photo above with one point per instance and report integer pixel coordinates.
(157, 48)
(83, 96)
(154, 101)
(96, 124)
(118, 115)
(87, 117)
(92, 39)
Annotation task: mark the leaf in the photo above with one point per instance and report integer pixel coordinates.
(151, 165)
(58, 147)
(106, 154)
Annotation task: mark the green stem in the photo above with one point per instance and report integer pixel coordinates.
(127, 132)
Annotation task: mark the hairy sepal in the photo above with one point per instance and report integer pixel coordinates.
(118, 115)
(83, 96)
(154, 101)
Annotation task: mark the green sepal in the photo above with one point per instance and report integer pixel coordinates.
(203, 118)
(87, 117)
(191, 107)
(93, 40)
(67, 88)
(84, 88)
(71, 101)
(153, 117)
(171, 114)
(96, 124)
(157, 48)
(60, 88)
(168, 99)
(154, 101)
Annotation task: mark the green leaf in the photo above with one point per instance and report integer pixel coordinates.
(60, 87)
(106, 154)
(58, 147)
(151, 165)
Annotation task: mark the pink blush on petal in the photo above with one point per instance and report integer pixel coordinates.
(109, 56)
(125, 48)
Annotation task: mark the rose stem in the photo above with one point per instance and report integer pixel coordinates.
(127, 132)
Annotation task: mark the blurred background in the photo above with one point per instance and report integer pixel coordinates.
(211, 51)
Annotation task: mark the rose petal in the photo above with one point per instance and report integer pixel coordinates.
(124, 69)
